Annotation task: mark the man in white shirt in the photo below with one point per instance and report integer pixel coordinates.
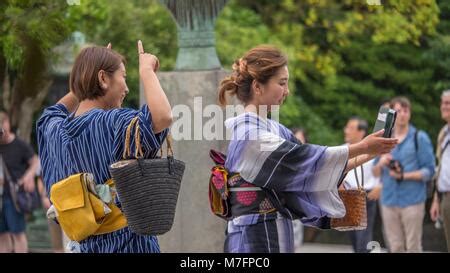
(355, 130)
(441, 201)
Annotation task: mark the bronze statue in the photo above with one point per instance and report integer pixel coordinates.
(195, 21)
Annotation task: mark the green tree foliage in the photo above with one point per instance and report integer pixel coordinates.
(29, 29)
(122, 23)
(239, 26)
(437, 57)
(346, 57)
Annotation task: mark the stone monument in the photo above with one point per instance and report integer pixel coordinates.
(194, 83)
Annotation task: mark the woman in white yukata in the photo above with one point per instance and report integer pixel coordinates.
(273, 177)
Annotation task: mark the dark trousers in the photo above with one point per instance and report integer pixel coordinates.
(445, 212)
(360, 238)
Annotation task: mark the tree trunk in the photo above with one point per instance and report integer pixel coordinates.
(6, 86)
(26, 112)
(25, 123)
(29, 90)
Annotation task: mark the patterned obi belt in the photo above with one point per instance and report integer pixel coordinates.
(246, 198)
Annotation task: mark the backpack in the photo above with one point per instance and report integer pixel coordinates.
(218, 186)
(429, 183)
(439, 153)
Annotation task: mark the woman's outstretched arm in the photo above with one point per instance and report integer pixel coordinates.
(154, 94)
(358, 161)
(368, 148)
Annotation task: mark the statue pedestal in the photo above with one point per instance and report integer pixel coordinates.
(197, 51)
(195, 228)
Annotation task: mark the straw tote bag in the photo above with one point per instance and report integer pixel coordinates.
(147, 188)
(355, 206)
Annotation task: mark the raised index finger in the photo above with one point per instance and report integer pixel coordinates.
(140, 47)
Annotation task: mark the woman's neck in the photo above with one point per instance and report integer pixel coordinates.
(87, 105)
(401, 132)
(260, 110)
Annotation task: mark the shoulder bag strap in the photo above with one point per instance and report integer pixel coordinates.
(360, 186)
(439, 153)
(12, 186)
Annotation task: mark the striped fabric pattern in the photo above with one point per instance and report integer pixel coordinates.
(90, 143)
(302, 179)
(260, 233)
(122, 241)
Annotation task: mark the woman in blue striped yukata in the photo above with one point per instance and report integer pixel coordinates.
(274, 178)
(84, 132)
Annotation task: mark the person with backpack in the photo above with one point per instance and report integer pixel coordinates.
(271, 177)
(404, 174)
(440, 207)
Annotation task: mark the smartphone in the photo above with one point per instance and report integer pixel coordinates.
(385, 120)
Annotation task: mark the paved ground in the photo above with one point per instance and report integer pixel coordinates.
(328, 248)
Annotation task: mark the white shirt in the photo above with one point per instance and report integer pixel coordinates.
(1, 174)
(370, 181)
(444, 175)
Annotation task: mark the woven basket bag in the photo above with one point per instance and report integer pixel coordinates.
(355, 206)
(147, 188)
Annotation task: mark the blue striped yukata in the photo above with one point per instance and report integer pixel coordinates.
(90, 143)
(300, 180)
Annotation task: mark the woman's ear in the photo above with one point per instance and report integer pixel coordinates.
(256, 87)
(102, 79)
